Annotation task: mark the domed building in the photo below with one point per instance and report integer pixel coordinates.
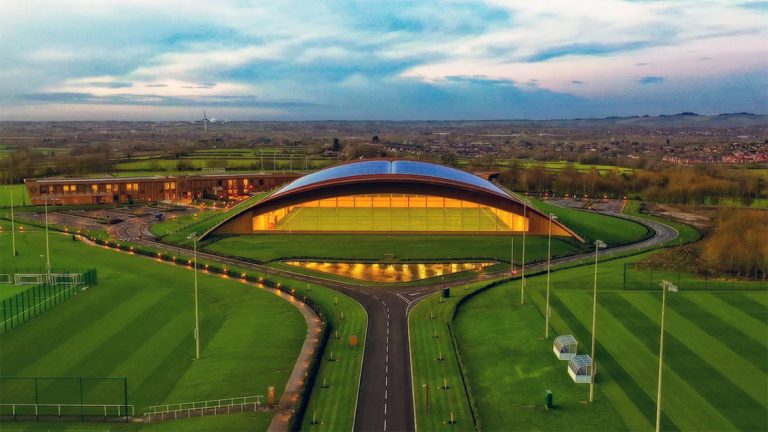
(390, 196)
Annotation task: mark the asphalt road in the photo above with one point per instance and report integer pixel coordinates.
(385, 400)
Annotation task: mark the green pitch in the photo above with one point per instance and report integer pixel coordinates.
(391, 219)
(715, 375)
(138, 322)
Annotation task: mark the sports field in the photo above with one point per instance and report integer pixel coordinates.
(716, 348)
(391, 219)
(138, 322)
(20, 195)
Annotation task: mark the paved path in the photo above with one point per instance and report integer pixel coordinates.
(385, 401)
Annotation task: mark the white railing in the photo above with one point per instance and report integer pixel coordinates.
(40, 409)
(241, 401)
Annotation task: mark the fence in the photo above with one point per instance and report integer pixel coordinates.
(54, 289)
(64, 397)
(176, 411)
(637, 278)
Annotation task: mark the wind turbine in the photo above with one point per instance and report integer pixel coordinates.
(205, 122)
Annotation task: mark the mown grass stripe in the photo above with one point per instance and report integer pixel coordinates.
(739, 407)
(644, 403)
(745, 304)
(754, 351)
(735, 317)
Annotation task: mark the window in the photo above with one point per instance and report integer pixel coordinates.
(94, 188)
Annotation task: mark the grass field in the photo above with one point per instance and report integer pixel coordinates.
(715, 355)
(20, 195)
(390, 219)
(373, 247)
(138, 323)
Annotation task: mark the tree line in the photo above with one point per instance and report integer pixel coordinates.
(701, 184)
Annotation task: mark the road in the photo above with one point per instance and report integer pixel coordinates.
(385, 399)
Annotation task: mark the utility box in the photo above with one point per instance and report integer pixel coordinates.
(548, 399)
(446, 292)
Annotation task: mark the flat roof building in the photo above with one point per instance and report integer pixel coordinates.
(159, 188)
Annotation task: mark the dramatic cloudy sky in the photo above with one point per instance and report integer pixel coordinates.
(334, 59)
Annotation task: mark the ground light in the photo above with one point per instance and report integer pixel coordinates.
(599, 244)
(665, 286)
(193, 237)
(549, 262)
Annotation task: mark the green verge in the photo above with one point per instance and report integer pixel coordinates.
(687, 232)
(138, 323)
(264, 248)
(592, 226)
(715, 351)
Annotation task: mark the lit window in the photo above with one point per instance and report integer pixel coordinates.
(94, 188)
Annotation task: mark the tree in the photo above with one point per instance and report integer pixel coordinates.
(336, 145)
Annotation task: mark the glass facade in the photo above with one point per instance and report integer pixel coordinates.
(389, 212)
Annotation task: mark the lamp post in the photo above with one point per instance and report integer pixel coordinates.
(512, 258)
(665, 286)
(193, 237)
(522, 264)
(549, 262)
(599, 244)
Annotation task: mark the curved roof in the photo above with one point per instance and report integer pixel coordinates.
(391, 176)
(394, 168)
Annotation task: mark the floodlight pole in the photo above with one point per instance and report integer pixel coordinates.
(47, 245)
(197, 311)
(549, 263)
(665, 286)
(13, 228)
(598, 244)
(522, 264)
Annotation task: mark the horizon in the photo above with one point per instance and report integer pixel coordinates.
(344, 61)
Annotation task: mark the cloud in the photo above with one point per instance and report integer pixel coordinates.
(404, 57)
(157, 100)
(651, 80)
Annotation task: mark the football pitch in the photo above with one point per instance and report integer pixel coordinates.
(716, 346)
(391, 219)
(138, 323)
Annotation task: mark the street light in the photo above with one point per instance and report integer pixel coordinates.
(665, 286)
(512, 258)
(599, 244)
(193, 237)
(549, 261)
(47, 246)
(13, 227)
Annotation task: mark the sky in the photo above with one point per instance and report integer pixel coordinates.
(380, 60)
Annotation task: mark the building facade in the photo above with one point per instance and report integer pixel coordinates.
(160, 188)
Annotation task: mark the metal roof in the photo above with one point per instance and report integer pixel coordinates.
(579, 361)
(391, 167)
(565, 340)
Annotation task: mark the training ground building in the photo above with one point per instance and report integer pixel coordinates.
(68, 191)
